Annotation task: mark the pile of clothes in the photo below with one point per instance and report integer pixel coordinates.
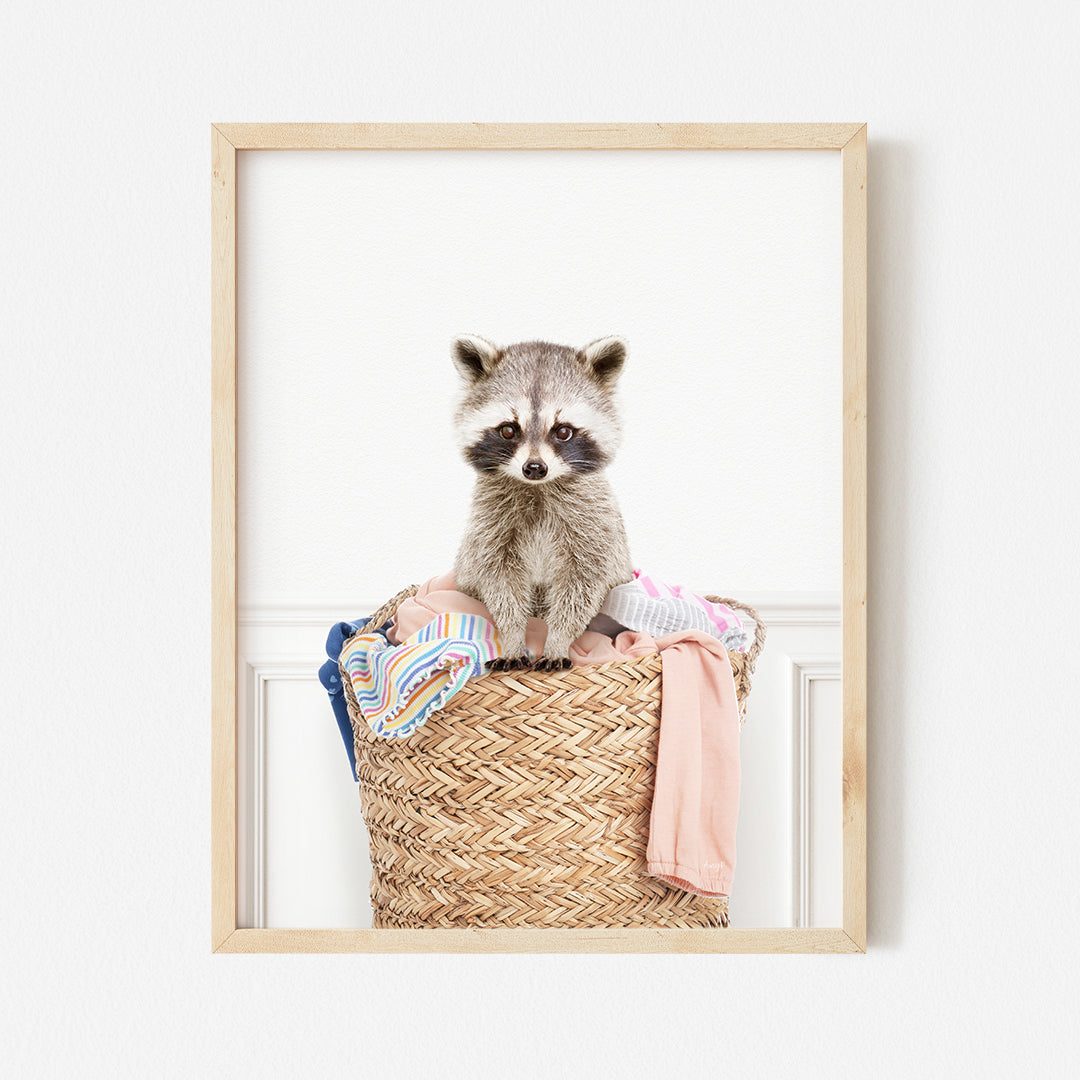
(439, 638)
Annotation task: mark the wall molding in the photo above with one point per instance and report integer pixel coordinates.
(775, 608)
(803, 671)
(257, 673)
(296, 613)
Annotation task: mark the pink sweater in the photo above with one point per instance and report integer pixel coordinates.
(695, 807)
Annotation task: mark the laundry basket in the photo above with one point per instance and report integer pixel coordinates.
(525, 802)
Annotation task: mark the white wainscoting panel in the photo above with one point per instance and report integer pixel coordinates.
(776, 865)
(303, 846)
(826, 906)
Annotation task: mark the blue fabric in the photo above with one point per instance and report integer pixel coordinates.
(330, 677)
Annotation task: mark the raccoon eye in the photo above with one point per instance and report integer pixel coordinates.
(508, 431)
(563, 432)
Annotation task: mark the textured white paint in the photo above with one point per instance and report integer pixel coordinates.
(104, 333)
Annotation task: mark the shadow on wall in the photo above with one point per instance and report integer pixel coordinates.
(895, 246)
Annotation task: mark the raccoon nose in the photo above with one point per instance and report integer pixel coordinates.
(534, 470)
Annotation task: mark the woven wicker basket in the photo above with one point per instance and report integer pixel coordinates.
(526, 801)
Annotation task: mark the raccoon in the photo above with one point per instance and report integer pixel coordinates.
(538, 423)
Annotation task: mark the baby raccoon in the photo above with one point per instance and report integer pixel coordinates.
(538, 424)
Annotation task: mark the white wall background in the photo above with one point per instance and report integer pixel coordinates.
(104, 316)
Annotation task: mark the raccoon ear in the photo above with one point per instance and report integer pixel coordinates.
(474, 356)
(605, 357)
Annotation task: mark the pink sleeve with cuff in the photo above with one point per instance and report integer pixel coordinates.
(695, 809)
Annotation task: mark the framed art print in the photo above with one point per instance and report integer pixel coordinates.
(730, 259)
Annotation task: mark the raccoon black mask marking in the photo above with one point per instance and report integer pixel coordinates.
(490, 452)
(538, 423)
(495, 448)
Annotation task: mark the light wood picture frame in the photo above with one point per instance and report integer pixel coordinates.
(847, 139)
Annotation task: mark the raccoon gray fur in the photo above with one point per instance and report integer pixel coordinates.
(538, 423)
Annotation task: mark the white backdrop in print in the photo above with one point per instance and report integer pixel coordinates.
(356, 269)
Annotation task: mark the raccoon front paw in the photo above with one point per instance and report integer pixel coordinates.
(550, 663)
(510, 663)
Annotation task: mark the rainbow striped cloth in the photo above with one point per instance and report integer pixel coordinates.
(398, 686)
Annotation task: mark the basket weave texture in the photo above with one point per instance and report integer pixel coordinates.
(526, 801)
